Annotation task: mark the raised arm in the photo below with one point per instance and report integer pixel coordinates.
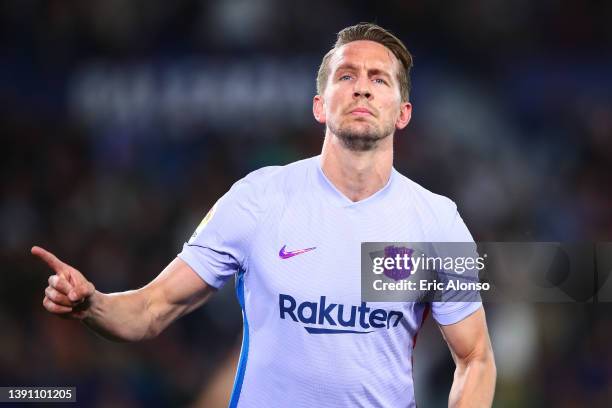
(475, 372)
(126, 316)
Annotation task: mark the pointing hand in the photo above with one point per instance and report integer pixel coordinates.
(68, 292)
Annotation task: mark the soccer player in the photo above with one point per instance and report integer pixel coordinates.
(291, 237)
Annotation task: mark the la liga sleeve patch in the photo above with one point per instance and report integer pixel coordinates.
(204, 222)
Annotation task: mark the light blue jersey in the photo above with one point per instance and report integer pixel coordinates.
(293, 241)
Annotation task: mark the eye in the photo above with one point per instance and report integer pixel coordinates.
(380, 81)
(345, 77)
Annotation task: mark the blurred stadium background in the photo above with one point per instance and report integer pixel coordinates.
(123, 121)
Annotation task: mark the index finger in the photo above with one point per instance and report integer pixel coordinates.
(50, 259)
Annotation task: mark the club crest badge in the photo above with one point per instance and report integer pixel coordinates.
(393, 272)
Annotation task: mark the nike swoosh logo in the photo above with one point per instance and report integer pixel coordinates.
(288, 254)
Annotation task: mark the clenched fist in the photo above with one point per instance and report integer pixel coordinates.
(68, 293)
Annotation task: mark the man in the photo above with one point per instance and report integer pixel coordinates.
(291, 235)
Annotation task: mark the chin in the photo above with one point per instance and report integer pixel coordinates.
(361, 128)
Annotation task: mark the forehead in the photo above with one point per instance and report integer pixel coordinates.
(368, 54)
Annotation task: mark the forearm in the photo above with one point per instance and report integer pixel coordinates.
(127, 316)
(124, 316)
(474, 382)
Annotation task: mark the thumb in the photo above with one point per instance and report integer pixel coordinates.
(81, 291)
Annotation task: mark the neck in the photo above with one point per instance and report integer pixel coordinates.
(357, 175)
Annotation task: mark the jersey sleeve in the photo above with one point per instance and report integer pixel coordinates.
(220, 245)
(453, 309)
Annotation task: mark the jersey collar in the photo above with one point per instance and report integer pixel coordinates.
(337, 198)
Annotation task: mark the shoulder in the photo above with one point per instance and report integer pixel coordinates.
(435, 209)
(269, 183)
(424, 197)
(274, 180)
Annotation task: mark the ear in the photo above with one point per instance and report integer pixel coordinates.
(404, 116)
(318, 108)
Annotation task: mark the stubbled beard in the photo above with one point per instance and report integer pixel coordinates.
(359, 140)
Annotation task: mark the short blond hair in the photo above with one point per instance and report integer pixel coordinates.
(370, 32)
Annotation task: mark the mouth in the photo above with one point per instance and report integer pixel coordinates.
(361, 112)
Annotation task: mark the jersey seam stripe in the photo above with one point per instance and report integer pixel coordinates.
(244, 352)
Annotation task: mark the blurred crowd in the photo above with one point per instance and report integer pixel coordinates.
(123, 122)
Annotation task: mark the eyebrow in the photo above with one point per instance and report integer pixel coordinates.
(372, 71)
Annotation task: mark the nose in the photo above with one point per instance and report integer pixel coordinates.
(362, 89)
(364, 93)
